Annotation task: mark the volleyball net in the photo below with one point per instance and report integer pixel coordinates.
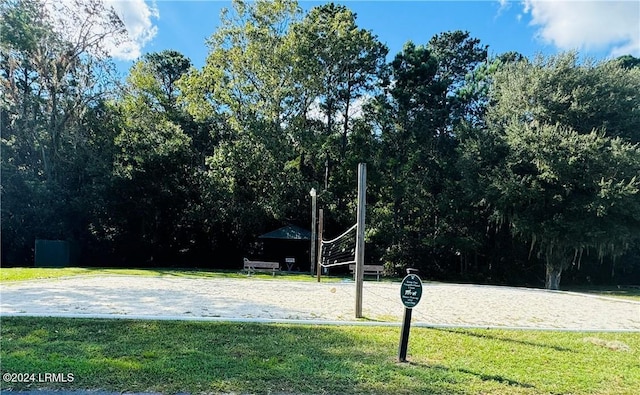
(339, 251)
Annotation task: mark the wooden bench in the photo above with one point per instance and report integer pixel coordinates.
(373, 270)
(260, 266)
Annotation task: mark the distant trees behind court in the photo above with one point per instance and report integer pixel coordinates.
(481, 168)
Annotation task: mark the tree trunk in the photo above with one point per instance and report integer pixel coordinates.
(345, 126)
(553, 277)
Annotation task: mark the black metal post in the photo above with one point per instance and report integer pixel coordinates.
(404, 338)
(406, 328)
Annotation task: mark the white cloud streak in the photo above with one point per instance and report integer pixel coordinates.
(75, 20)
(588, 25)
(137, 17)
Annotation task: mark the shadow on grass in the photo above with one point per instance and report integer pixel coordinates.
(481, 376)
(499, 379)
(487, 335)
(171, 357)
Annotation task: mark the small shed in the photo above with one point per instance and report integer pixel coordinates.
(289, 245)
(55, 253)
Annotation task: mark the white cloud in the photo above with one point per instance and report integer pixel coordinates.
(80, 21)
(137, 17)
(588, 25)
(316, 113)
(504, 6)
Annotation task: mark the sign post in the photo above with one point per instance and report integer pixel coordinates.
(410, 294)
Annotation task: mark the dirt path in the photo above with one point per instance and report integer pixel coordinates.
(441, 304)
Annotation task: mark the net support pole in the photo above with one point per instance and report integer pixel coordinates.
(320, 226)
(362, 191)
(314, 226)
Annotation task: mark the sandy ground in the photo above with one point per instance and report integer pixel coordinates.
(247, 299)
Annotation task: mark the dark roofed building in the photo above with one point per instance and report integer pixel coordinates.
(289, 232)
(289, 245)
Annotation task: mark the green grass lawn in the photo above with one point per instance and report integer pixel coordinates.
(170, 357)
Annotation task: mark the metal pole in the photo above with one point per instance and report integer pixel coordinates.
(314, 224)
(406, 322)
(362, 191)
(404, 338)
(320, 226)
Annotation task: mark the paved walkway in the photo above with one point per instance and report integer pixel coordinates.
(281, 300)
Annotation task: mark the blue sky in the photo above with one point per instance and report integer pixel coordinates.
(597, 29)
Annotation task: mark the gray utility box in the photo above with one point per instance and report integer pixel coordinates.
(55, 253)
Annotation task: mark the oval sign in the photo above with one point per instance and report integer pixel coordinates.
(411, 290)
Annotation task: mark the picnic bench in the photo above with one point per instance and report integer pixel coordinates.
(372, 270)
(260, 266)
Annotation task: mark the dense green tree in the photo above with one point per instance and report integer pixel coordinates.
(560, 90)
(345, 64)
(556, 164)
(49, 79)
(156, 190)
(487, 250)
(475, 165)
(567, 193)
(405, 146)
(338, 68)
(250, 62)
(418, 208)
(628, 61)
(459, 57)
(54, 70)
(168, 67)
(248, 83)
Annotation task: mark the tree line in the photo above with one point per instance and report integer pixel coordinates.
(483, 168)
